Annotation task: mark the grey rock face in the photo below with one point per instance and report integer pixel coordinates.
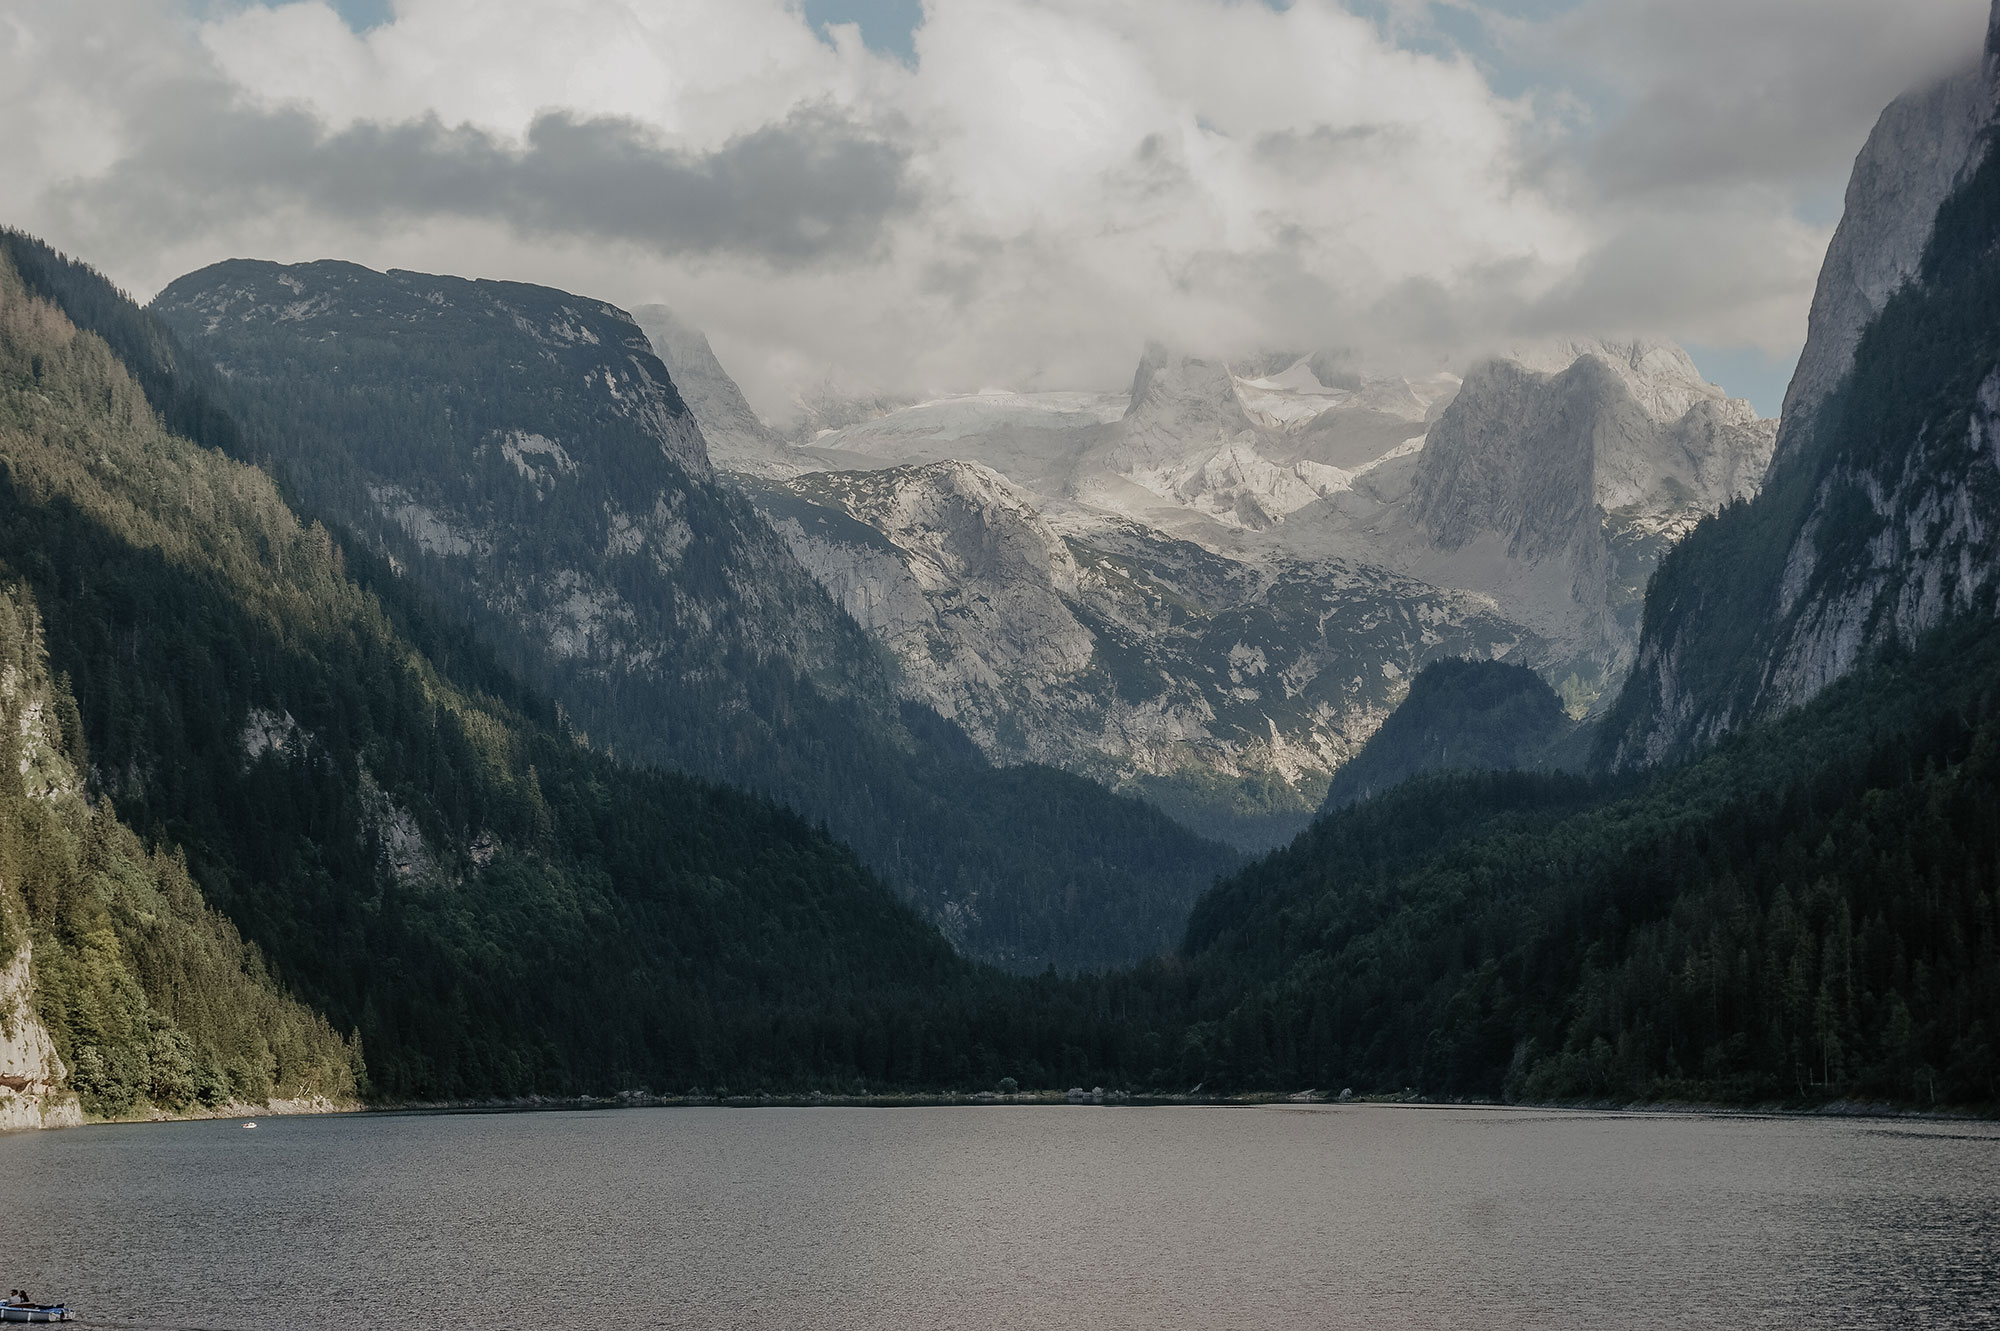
(956, 571)
(1106, 648)
(1585, 475)
(737, 439)
(1919, 151)
(1177, 400)
(1936, 555)
(1879, 555)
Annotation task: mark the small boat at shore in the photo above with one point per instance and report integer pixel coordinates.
(33, 1312)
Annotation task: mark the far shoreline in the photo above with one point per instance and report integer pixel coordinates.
(1042, 1100)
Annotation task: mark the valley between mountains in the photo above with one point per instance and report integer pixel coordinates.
(416, 688)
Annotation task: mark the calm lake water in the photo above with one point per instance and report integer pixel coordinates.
(1363, 1216)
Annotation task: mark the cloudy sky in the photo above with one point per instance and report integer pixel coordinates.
(935, 195)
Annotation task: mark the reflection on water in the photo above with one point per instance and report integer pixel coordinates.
(1356, 1216)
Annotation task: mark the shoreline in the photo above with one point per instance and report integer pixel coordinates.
(316, 1106)
(1838, 1109)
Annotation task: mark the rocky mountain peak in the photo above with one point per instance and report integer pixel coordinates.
(1185, 394)
(1660, 376)
(1514, 456)
(1537, 458)
(603, 361)
(1921, 149)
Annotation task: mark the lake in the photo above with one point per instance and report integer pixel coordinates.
(1348, 1216)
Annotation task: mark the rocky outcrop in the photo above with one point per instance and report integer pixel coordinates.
(1921, 149)
(1574, 481)
(737, 438)
(34, 1084)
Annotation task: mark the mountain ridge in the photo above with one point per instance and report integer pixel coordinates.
(518, 452)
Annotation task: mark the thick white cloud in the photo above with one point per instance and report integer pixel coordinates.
(1047, 187)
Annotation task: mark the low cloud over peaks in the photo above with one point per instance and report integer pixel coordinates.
(810, 188)
(1048, 185)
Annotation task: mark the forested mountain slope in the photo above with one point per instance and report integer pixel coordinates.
(121, 992)
(522, 456)
(1809, 913)
(494, 907)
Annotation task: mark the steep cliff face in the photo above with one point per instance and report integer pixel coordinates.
(1921, 150)
(1881, 516)
(1574, 482)
(737, 439)
(34, 1082)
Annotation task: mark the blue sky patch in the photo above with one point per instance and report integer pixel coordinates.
(887, 26)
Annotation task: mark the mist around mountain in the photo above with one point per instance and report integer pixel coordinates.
(522, 456)
(1211, 590)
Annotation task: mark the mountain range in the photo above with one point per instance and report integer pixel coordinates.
(1210, 591)
(397, 703)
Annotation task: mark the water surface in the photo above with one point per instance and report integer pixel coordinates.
(1361, 1216)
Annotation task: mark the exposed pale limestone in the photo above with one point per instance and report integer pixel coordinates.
(1017, 552)
(1919, 151)
(34, 1084)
